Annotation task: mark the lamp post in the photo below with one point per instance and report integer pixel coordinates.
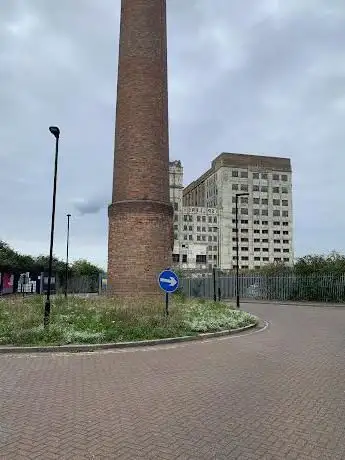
(67, 248)
(237, 251)
(55, 131)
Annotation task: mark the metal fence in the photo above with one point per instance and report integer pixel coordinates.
(317, 288)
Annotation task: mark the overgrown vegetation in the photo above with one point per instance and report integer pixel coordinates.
(102, 320)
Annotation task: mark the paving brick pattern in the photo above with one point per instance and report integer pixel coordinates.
(277, 394)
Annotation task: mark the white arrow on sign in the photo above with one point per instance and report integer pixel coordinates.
(170, 281)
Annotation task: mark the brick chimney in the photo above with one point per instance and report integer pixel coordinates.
(140, 216)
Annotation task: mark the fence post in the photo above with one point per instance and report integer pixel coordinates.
(99, 283)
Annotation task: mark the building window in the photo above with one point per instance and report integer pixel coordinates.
(234, 239)
(234, 186)
(277, 259)
(256, 212)
(210, 229)
(244, 230)
(215, 257)
(176, 217)
(244, 200)
(285, 241)
(234, 199)
(244, 240)
(184, 258)
(264, 212)
(210, 220)
(244, 187)
(201, 259)
(264, 188)
(255, 175)
(285, 190)
(285, 232)
(185, 237)
(210, 238)
(214, 238)
(285, 224)
(185, 218)
(210, 257)
(286, 250)
(277, 241)
(277, 250)
(244, 258)
(244, 221)
(244, 174)
(276, 202)
(286, 259)
(244, 267)
(256, 222)
(176, 258)
(234, 210)
(257, 249)
(210, 248)
(256, 258)
(264, 176)
(275, 177)
(234, 173)
(198, 238)
(190, 237)
(175, 236)
(276, 213)
(264, 201)
(245, 249)
(256, 240)
(176, 206)
(190, 218)
(275, 189)
(264, 222)
(276, 222)
(265, 259)
(285, 213)
(215, 248)
(215, 220)
(256, 188)
(264, 249)
(203, 229)
(244, 211)
(204, 218)
(256, 231)
(175, 227)
(185, 228)
(234, 248)
(265, 232)
(285, 202)
(284, 177)
(256, 200)
(203, 237)
(190, 228)
(276, 232)
(264, 240)
(198, 229)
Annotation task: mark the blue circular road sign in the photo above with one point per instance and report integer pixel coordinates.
(168, 281)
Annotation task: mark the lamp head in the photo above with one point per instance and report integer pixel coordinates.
(55, 131)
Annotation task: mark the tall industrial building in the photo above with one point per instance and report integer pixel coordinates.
(205, 221)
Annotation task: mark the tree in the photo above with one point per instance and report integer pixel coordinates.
(84, 268)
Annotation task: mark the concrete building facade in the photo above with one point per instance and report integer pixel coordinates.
(265, 215)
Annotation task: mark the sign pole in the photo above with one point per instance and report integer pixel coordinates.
(167, 304)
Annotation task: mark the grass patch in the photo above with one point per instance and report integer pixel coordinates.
(102, 320)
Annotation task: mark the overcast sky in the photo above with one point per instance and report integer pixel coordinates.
(249, 76)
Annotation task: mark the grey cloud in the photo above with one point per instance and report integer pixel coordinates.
(251, 76)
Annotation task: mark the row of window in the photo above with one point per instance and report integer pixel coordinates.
(262, 212)
(264, 240)
(246, 249)
(198, 229)
(263, 201)
(189, 218)
(263, 222)
(264, 176)
(258, 188)
(199, 238)
(264, 259)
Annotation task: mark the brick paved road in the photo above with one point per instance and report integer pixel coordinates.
(277, 394)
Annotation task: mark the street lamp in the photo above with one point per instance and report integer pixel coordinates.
(237, 251)
(55, 131)
(67, 247)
